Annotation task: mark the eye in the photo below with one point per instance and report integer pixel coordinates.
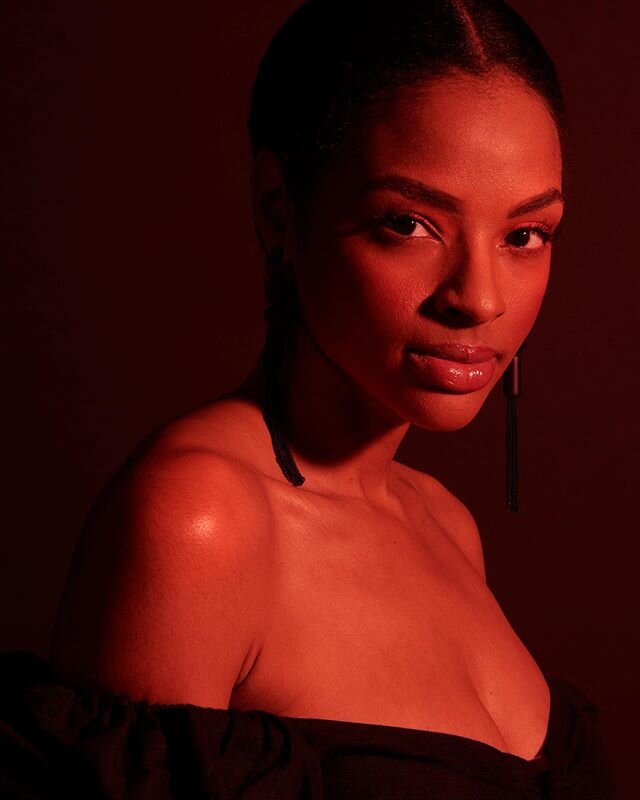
(405, 226)
(529, 238)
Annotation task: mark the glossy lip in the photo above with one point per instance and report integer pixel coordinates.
(455, 376)
(454, 351)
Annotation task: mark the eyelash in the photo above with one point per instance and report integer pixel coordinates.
(386, 219)
(545, 233)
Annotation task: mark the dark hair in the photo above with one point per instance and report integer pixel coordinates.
(333, 58)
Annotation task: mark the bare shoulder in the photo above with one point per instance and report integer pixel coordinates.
(452, 515)
(170, 578)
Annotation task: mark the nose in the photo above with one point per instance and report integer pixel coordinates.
(470, 291)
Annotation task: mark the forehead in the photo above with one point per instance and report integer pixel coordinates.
(471, 136)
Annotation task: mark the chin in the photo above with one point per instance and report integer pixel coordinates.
(443, 411)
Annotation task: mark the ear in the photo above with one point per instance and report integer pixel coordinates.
(271, 209)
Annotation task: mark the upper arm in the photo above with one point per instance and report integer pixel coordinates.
(169, 582)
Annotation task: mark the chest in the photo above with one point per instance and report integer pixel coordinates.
(378, 625)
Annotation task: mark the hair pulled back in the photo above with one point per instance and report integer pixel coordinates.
(333, 59)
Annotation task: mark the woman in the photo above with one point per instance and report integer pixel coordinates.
(263, 602)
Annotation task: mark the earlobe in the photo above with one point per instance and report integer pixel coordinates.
(269, 199)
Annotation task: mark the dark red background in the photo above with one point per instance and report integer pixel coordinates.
(132, 288)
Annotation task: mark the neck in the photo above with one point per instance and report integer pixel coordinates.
(342, 439)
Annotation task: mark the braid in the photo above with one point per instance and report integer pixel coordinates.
(281, 315)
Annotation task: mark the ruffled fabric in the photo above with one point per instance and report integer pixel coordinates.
(58, 741)
(386, 763)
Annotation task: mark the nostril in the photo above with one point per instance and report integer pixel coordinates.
(451, 312)
(457, 318)
(454, 316)
(463, 309)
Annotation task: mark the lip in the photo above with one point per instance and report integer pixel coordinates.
(454, 351)
(454, 368)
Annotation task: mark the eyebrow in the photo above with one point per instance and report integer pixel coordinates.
(420, 192)
(414, 190)
(535, 203)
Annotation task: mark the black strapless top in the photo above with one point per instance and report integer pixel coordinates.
(59, 741)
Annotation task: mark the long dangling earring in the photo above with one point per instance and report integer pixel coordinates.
(512, 386)
(281, 315)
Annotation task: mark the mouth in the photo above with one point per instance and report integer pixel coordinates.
(458, 369)
(455, 351)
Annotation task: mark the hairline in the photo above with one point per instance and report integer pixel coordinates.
(301, 196)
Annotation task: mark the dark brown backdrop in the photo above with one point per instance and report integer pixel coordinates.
(132, 288)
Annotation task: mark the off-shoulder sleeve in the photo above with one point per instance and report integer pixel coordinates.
(59, 741)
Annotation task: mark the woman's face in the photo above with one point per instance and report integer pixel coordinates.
(431, 232)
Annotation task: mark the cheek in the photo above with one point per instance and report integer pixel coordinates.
(352, 294)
